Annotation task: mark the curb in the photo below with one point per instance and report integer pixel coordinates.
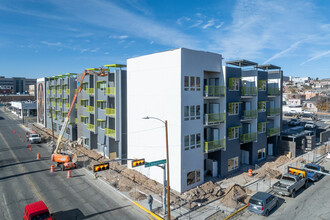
(234, 213)
(146, 210)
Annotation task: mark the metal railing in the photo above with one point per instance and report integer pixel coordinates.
(248, 90)
(214, 91)
(90, 127)
(90, 91)
(273, 91)
(67, 91)
(244, 138)
(210, 146)
(250, 114)
(214, 118)
(67, 105)
(110, 132)
(110, 91)
(60, 104)
(110, 111)
(273, 111)
(90, 108)
(273, 131)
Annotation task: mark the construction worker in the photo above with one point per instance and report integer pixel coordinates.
(150, 199)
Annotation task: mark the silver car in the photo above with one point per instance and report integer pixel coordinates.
(262, 203)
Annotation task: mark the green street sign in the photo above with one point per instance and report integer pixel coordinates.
(155, 163)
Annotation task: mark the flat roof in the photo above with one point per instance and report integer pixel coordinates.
(241, 63)
(268, 67)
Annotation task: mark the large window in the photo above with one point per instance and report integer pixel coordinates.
(262, 85)
(84, 102)
(100, 123)
(84, 119)
(192, 112)
(198, 83)
(101, 85)
(84, 85)
(198, 140)
(233, 108)
(186, 113)
(233, 163)
(233, 84)
(86, 141)
(261, 153)
(262, 127)
(186, 142)
(262, 106)
(198, 111)
(186, 83)
(193, 177)
(192, 83)
(192, 141)
(100, 104)
(233, 133)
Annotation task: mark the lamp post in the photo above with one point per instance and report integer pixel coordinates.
(167, 166)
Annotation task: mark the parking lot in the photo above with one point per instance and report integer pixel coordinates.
(310, 203)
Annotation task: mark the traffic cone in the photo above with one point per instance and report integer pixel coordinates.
(28, 146)
(19, 136)
(69, 174)
(52, 168)
(14, 131)
(23, 140)
(38, 156)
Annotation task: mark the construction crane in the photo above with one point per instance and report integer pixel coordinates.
(63, 160)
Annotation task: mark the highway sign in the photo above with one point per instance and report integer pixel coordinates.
(155, 163)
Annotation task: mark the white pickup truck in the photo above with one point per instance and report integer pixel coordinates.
(34, 138)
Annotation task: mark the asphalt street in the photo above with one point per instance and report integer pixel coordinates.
(24, 180)
(311, 203)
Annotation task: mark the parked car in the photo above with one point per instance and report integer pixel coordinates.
(294, 122)
(37, 210)
(313, 176)
(291, 182)
(35, 138)
(310, 125)
(262, 203)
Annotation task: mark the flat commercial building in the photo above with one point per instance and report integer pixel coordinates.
(219, 117)
(15, 84)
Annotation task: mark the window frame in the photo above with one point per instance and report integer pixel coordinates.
(186, 83)
(235, 163)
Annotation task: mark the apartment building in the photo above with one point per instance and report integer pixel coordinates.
(101, 112)
(60, 91)
(15, 84)
(218, 117)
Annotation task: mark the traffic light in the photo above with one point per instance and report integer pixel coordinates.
(101, 167)
(139, 162)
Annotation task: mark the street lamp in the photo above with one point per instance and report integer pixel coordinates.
(167, 166)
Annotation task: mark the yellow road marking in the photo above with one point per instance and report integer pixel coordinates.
(232, 214)
(22, 168)
(146, 210)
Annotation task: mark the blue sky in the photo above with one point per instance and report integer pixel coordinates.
(51, 37)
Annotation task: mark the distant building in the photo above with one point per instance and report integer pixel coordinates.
(28, 109)
(300, 79)
(15, 85)
(32, 90)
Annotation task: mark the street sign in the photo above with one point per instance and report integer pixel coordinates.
(155, 163)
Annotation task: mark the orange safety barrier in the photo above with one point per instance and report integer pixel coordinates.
(52, 168)
(27, 146)
(250, 172)
(38, 156)
(69, 174)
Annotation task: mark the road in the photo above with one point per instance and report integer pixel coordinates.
(24, 180)
(310, 203)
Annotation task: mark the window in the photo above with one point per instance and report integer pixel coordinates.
(84, 102)
(68, 131)
(233, 132)
(186, 83)
(186, 113)
(198, 83)
(100, 123)
(262, 106)
(84, 119)
(101, 85)
(192, 112)
(233, 84)
(233, 108)
(198, 111)
(262, 85)
(198, 176)
(84, 85)
(192, 141)
(192, 83)
(86, 141)
(186, 142)
(261, 153)
(233, 163)
(190, 178)
(198, 140)
(261, 127)
(100, 104)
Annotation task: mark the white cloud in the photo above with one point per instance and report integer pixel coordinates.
(317, 56)
(179, 21)
(210, 23)
(197, 23)
(219, 25)
(57, 44)
(280, 54)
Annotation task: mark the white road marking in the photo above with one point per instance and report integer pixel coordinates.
(6, 206)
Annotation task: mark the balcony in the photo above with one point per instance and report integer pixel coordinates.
(90, 127)
(214, 91)
(250, 114)
(273, 91)
(90, 91)
(245, 138)
(110, 132)
(48, 91)
(53, 91)
(273, 111)
(67, 91)
(214, 118)
(110, 91)
(75, 120)
(60, 104)
(90, 109)
(248, 91)
(53, 103)
(67, 105)
(273, 131)
(60, 91)
(110, 112)
(211, 146)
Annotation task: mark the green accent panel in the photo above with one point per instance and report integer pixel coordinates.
(90, 109)
(110, 91)
(274, 91)
(215, 91)
(90, 91)
(248, 90)
(115, 65)
(214, 118)
(110, 112)
(90, 127)
(95, 69)
(273, 131)
(250, 114)
(110, 132)
(211, 146)
(273, 111)
(244, 138)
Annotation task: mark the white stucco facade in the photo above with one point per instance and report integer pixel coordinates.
(155, 88)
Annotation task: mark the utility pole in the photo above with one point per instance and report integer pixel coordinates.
(168, 175)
